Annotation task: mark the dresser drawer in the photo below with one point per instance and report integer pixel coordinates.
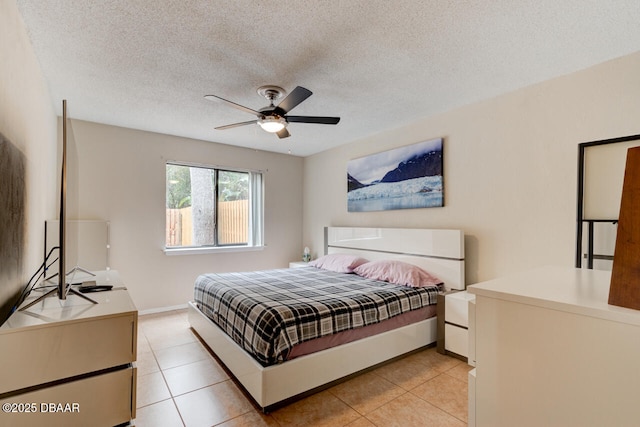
(52, 352)
(106, 399)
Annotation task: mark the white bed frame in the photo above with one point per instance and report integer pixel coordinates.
(439, 251)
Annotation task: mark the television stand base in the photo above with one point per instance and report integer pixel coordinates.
(54, 290)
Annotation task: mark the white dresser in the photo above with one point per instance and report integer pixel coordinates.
(550, 351)
(70, 363)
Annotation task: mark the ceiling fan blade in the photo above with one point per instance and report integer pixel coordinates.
(292, 100)
(313, 119)
(233, 104)
(284, 133)
(235, 125)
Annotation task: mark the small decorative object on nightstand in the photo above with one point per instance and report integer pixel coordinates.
(306, 255)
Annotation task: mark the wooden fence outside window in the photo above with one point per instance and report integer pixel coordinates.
(233, 220)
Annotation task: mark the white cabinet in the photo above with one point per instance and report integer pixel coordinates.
(551, 351)
(73, 353)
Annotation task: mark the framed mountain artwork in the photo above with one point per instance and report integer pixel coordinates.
(407, 177)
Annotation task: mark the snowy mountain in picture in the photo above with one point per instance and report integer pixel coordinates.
(403, 178)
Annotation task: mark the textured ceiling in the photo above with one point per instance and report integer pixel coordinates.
(378, 65)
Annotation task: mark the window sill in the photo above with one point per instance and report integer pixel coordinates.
(210, 250)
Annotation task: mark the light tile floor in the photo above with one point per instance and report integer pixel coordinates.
(181, 384)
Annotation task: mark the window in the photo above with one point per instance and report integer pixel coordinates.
(210, 207)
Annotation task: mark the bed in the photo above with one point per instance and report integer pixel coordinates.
(289, 371)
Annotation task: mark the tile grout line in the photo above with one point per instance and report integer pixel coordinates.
(175, 405)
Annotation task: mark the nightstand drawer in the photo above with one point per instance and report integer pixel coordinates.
(456, 308)
(456, 340)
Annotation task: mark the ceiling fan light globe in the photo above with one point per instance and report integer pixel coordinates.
(272, 124)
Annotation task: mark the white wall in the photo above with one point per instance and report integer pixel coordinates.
(118, 174)
(510, 168)
(28, 120)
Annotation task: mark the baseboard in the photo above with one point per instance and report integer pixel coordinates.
(162, 309)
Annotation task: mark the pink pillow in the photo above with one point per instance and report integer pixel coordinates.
(340, 263)
(397, 272)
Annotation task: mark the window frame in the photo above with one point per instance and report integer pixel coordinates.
(256, 212)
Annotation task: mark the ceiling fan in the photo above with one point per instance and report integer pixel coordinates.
(275, 118)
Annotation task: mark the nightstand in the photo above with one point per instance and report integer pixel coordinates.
(453, 323)
(298, 264)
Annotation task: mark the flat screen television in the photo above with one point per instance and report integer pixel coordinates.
(62, 282)
(63, 287)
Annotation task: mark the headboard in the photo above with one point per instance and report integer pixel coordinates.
(440, 252)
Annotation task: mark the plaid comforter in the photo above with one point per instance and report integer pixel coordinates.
(268, 312)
